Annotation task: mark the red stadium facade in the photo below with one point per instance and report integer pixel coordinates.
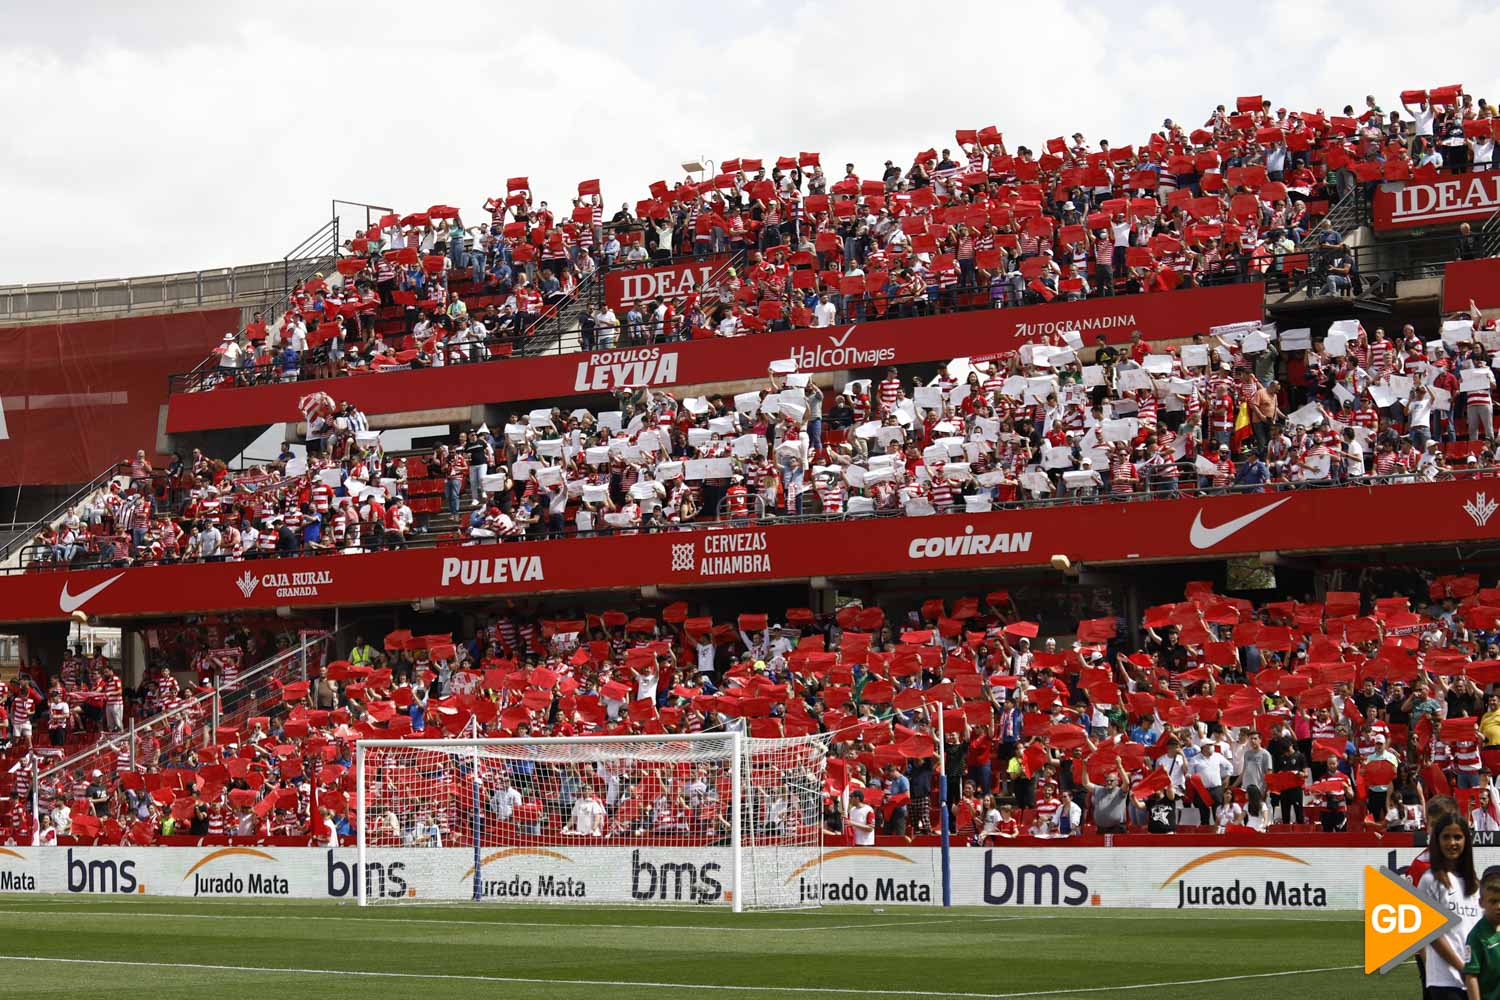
(79, 396)
(1305, 521)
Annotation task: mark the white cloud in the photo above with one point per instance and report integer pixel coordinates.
(176, 136)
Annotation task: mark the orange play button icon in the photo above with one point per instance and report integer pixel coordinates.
(1397, 920)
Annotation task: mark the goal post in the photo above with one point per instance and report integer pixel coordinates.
(679, 819)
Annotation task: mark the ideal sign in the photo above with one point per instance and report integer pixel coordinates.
(623, 289)
(1465, 198)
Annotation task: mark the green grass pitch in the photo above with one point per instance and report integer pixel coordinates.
(164, 949)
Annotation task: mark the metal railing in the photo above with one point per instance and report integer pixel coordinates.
(226, 706)
(1379, 266)
(866, 308)
(1187, 485)
(185, 289)
(1343, 216)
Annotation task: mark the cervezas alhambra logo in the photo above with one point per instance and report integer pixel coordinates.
(247, 583)
(1481, 509)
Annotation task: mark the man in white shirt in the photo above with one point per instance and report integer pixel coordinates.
(1213, 769)
(861, 819)
(504, 799)
(826, 313)
(230, 353)
(588, 817)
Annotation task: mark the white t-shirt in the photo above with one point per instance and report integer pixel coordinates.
(865, 814)
(588, 818)
(1452, 899)
(1354, 465)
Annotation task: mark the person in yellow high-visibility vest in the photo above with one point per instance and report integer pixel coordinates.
(363, 654)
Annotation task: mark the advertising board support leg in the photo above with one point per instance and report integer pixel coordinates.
(360, 832)
(943, 809)
(477, 827)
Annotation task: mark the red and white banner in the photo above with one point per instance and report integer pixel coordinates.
(625, 288)
(1471, 280)
(1103, 533)
(1162, 316)
(1465, 198)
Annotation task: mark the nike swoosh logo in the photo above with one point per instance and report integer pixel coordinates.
(70, 603)
(841, 341)
(1206, 538)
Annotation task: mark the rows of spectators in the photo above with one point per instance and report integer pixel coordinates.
(1241, 406)
(1210, 713)
(973, 225)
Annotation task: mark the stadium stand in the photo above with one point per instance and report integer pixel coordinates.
(1227, 716)
(1242, 198)
(1239, 408)
(1338, 713)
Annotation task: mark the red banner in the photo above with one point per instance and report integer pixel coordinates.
(1163, 316)
(1476, 280)
(1465, 198)
(1100, 534)
(78, 397)
(623, 289)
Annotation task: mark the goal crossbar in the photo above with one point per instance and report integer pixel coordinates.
(748, 797)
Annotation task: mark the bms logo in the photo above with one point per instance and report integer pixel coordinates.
(102, 876)
(1034, 885)
(685, 882)
(381, 880)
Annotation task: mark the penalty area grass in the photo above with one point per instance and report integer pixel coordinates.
(56, 947)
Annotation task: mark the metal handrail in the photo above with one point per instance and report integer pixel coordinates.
(209, 701)
(1380, 265)
(965, 298)
(1149, 493)
(56, 514)
(300, 264)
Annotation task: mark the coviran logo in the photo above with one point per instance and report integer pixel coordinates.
(522, 886)
(12, 880)
(630, 369)
(502, 569)
(1274, 892)
(887, 889)
(969, 544)
(236, 883)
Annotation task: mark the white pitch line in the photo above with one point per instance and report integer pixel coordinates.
(521, 980)
(174, 915)
(1157, 986)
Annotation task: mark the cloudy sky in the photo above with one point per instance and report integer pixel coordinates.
(158, 136)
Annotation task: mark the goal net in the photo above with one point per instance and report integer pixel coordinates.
(701, 819)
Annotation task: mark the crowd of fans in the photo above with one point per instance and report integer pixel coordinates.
(974, 225)
(1238, 407)
(1345, 713)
